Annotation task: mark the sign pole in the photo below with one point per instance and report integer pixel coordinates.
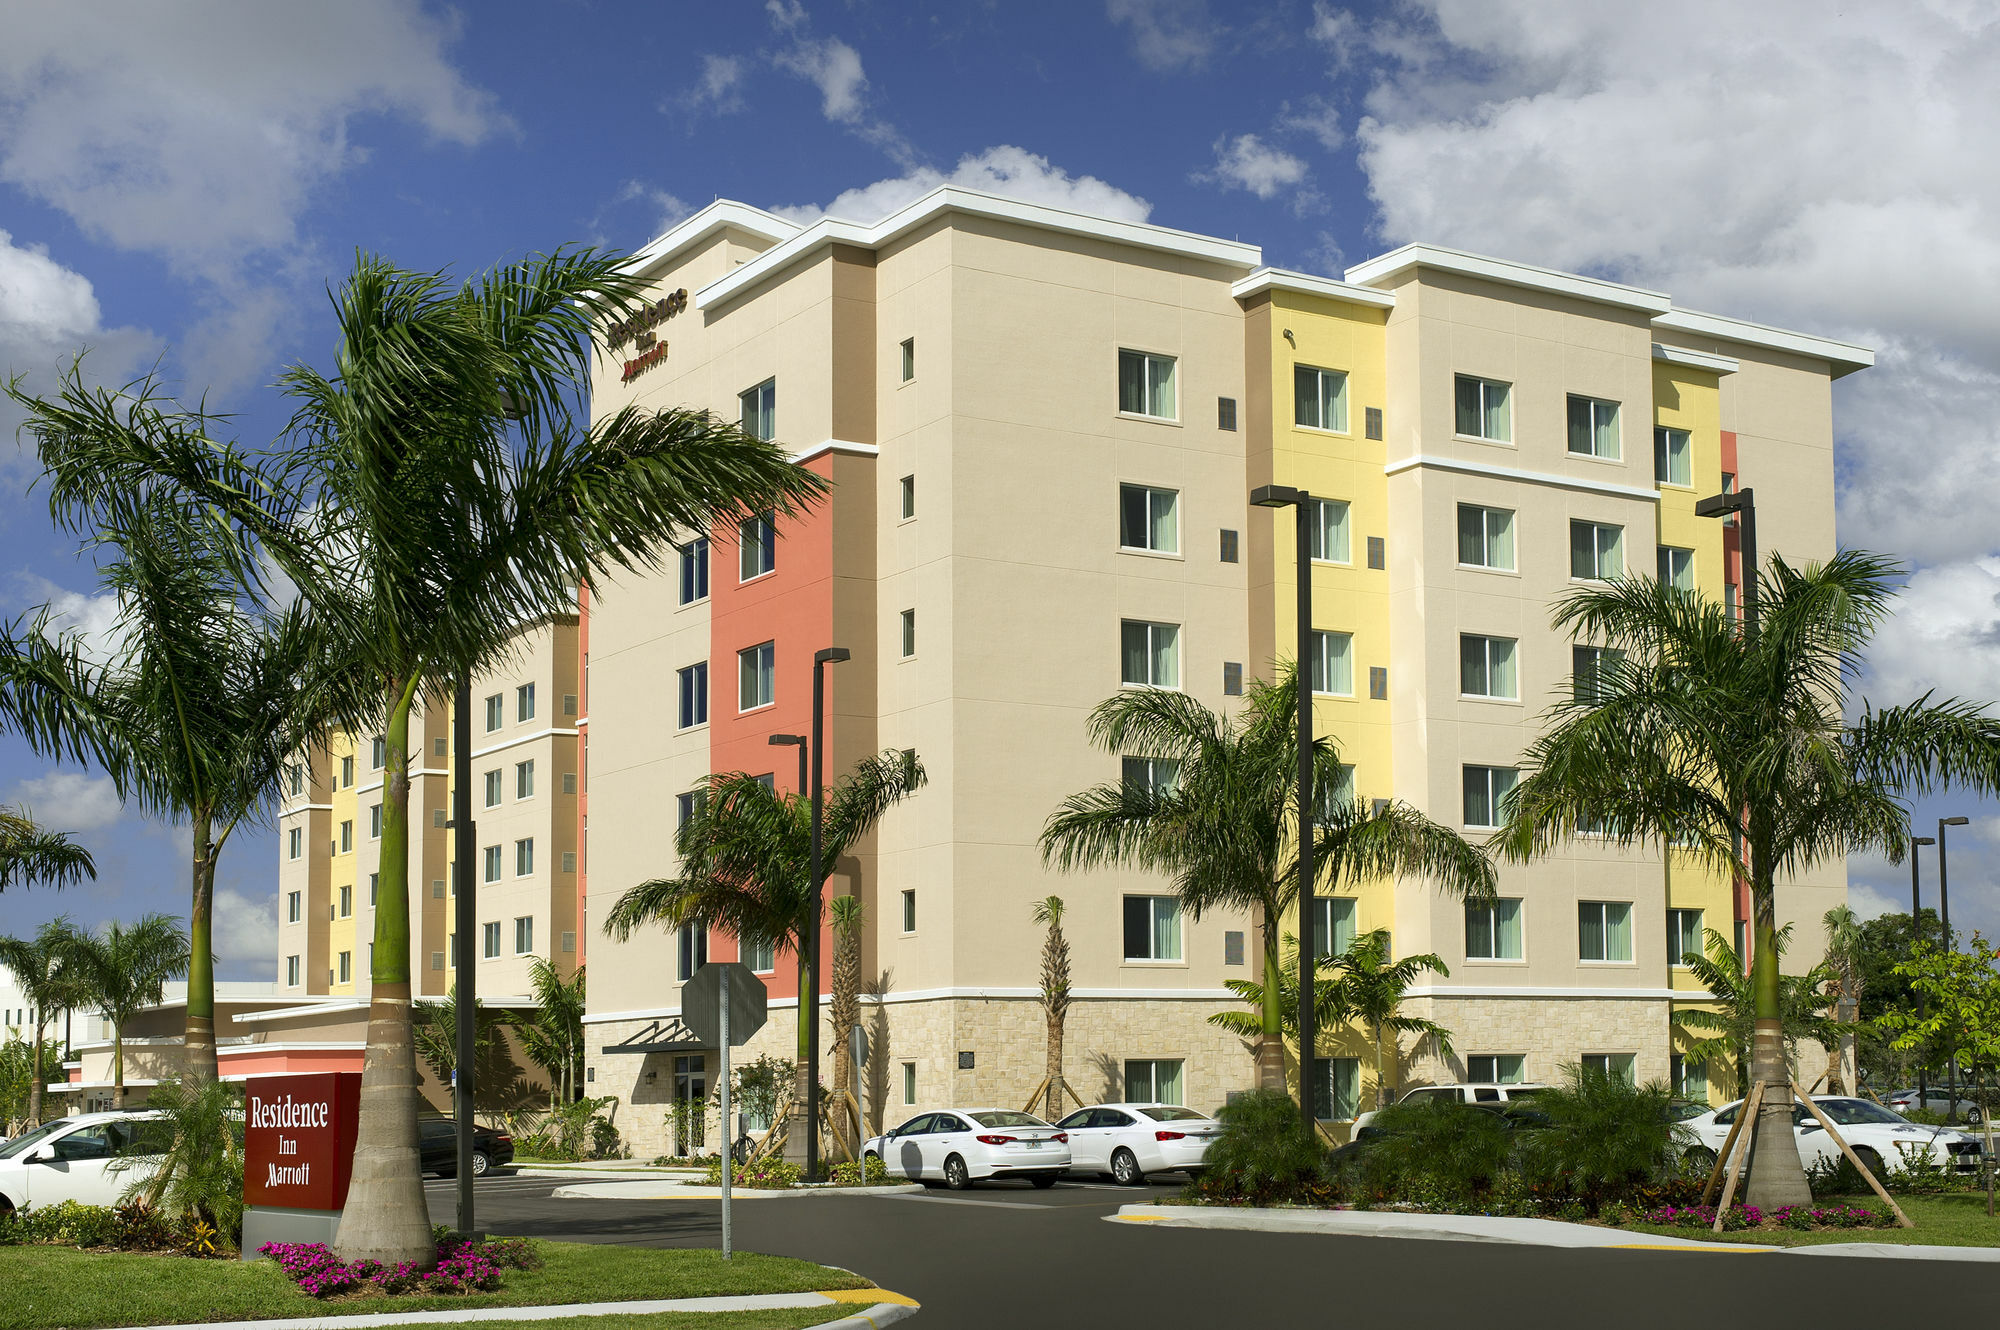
(728, 1146)
(465, 844)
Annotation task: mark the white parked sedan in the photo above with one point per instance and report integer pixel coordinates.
(1873, 1131)
(1128, 1141)
(71, 1159)
(963, 1145)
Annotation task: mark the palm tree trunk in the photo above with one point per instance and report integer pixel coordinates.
(1381, 1075)
(386, 1218)
(1054, 1065)
(118, 1064)
(802, 1068)
(1777, 1178)
(198, 1059)
(35, 1086)
(1271, 1043)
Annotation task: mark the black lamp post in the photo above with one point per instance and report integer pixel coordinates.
(790, 741)
(809, 1001)
(1282, 496)
(464, 846)
(1742, 505)
(1944, 920)
(1917, 926)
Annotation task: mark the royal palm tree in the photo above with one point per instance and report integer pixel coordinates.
(553, 1036)
(843, 1010)
(1725, 1031)
(745, 870)
(1368, 988)
(1223, 828)
(1055, 995)
(122, 970)
(1249, 1025)
(48, 985)
(1731, 741)
(30, 855)
(438, 488)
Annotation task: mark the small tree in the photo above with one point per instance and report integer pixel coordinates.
(1964, 1012)
(1730, 1023)
(1843, 960)
(844, 1012)
(1368, 987)
(435, 1025)
(553, 1036)
(122, 970)
(37, 965)
(1055, 995)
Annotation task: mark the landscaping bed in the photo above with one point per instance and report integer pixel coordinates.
(1948, 1220)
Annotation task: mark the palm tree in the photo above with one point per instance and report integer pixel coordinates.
(745, 857)
(1368, 987)
(1249, 1025)
(1844, 944)
(439, 488)
(40, 970)
(434, 1026)
(1055, 994)
(553, 1036)
(30, 855)
(120, 971)
(1730, 1023)
(1223, 828)
(843, 1011)
(1733, 742)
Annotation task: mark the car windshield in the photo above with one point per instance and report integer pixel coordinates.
(1168, 1113)
(1003, 1118)
(1852, 1112)
(22, 1144)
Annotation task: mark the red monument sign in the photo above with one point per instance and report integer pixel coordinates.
(298, 1140)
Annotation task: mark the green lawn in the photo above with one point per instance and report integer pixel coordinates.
(49, 1287)
(1957, 1220)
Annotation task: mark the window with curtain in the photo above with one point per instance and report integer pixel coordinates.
(1684, 937)
(1496, 1068)
(1596, 551)
(1673, 457)
(524, 935)
(693, 951)
(1330, 540)
(1486, 791)
(759, 410)
(1617, 1066)
(347, 771)
(1150, 654)
(1689, 1079)
(760, 954)
(694, 570)
(1677, 567)
(1340, 793)
(1336, 1089)
(1486, 667)
(1493, 930)
(489, 936)
(1483, 410)
(1593, 427)
(524, 702)
(375, 821)
(1152, 928)
(347, 836)
(909, 633)
(292, 907)
(908, 487)
(1319, 398)
(1149, 519)
(1146, 385)
(379, 752)
(493, 787)
(1604, 930)
(495, 857)
(291, 971)
(756, 546)
(346, 967)
(694, 694)
(1333, 924)
(1485, 537)
(496, 713)
(1153, 1081)
(756, 676)
(524, 779)
(295, 844)
(524, 857)
(1587, 666)
(1157, 775)
(346, 902)
(1333, 664)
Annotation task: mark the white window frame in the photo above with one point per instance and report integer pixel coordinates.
(1157, 1087)
(909, 630)
(906, 492)
(496, 712)
(346, 906)
(909, 911)
(1149, 495)
(1603, 420)
(524, 923)
(1496, 793)
(909, 1084)
(295, 846)
(691, 695)
(1617, 549)
(756, 547)
(1509, 649)
(763, 659)
(1159, 911)
(1487, 537)
(1485, 393)
(1331, 523)
(1154, 649)
(757, 409)
(524, 857)
(496, 785)
(1492, 910)
(1676, 958)
(294, 906)
(1604, 909)
(694, 569)
(761, 955)
(489, 940)
(524, 702)
(1579, 652)
(1624, 1066)
(1150, 773)
(1319, 378)
(291, 972)
(1331, 649)
(909, 359)
(1667, 443)
(1333, 918)
(1497, 1068)
(524, 779)
(494, 862)
(1150, 383)
(1676, 566)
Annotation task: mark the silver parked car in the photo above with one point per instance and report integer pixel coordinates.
(1934, 1099)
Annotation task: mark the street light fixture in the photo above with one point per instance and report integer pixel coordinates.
(1944, 920)
(1286, 496)
(790, 741)
(1916, 927)
(1742, 505)
(809, 1002)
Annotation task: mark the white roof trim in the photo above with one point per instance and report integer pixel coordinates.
(294, 1046)
(951, 198)
(1845, 357)
(1374, 270)
(1680, 355)
(1502, 991)
(1525, 477)
(326, 1007)
(1280, 279)
(715, 217)
(837, 446)
(1023, 993)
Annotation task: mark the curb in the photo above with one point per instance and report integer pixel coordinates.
(882, 1313)
(655, 1191)
(878, 1314)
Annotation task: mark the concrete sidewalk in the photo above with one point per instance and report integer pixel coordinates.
(657, 1190)
(1495, 1228)
(875, 1307)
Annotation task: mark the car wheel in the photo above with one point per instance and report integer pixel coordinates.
(6, 1206)
(1972, 1116)
(480, 1163)
(955, 1175)
(1869, 1160)
(1700, 1157)
(1125, 1169)
(1043, 1181)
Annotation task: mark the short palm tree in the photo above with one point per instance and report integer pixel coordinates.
(1725, 1031)
(1368, 989)
(1055, 996)
(1249, 1025)
(434, 1025)
(47, 984)
(745, 870)
(439, 487)
(1731, 739)
(122, 970)
(1224, 828)
(553, 1035)
(1845, 943)
(843, 1010)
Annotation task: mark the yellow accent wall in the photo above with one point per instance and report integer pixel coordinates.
(340, 932)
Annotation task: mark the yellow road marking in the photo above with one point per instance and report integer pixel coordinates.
(1668, 1246)
(868, 1295)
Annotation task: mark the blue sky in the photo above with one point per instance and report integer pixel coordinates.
(179, 184)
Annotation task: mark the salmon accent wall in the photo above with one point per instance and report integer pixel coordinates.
(265, 1064)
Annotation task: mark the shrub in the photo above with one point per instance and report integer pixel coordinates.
(197, 1178)
(140, 1227)
(1263, 1156)
(1437, 1153)
(762, 1174)
(72, 1225)
(462, 1266)
(1604, 1138)
(850, 1174)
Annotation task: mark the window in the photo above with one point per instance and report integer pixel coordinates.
(1596, 551)
(694, 694)
(686, 805)
(375, 821)
(292, 907)
(760, 410)
(524, 702)
(909, 359)
(495, 713)
(1615, 1066)
(1153, 1081)
(909, 633)
(1151, 655)
(694, 570)
(909, 1082)
(524, 857)
(910, 911)
(1593, 428)
(1340, 794)
(1319, 398)
(1225, 414)
(692, 951)
(1485, 537)
(1673, 457)
(1336, 1089)
(524, 935)
(1689, 1079)
(493, 862)
(524, 779)
(298, 779)
(1333, 925)
(1330, 540)
(1378, 682)
(1148, 519)
(1486, 667)
(760, 954)
(1155, 775)
(1483, 410)
(1232, 678)
(756, 676)
(493, 788)
(291, 972)
(1677, 567)
(1493, 931)
(1227, 552)
(379, 752)
(756, 546)
(1146, 385)
(346, 772)
(908, 487)
(1333, 664)
(295, 845)
(347, 902)
(1152, 928)
(1486, 791)
(346, 967)
(347, 837)
(1683, 935)
(374, 888)
(1587, 671)
(1496, 1068)
(1604, 930)
(490, 939)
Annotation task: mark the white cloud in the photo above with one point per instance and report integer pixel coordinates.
(834, 67)
(69, 801)
(1337, 30)
(1167, 35)
(94, 619)
(1944, 638)
(719, 89)
(1247, 162)
(1010, 171)
(246, 928)
(1314, 116)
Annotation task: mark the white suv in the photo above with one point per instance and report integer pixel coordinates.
(70, 1159)
(1486, 1092)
